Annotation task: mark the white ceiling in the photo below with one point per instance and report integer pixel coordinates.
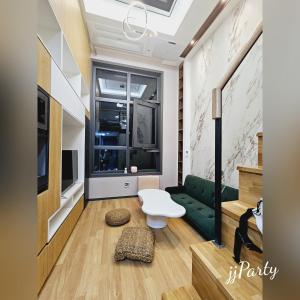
(104, 21)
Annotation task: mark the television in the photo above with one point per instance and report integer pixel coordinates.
(69, 169)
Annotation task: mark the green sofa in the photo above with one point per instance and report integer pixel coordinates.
(197, 195)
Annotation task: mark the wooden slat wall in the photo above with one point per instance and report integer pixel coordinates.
(180, 126)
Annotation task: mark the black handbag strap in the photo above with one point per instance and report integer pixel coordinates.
(241, 236)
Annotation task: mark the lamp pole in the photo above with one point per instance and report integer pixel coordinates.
(217, 116)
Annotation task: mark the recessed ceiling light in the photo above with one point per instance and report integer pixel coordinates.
(192, 42)
(172, 43)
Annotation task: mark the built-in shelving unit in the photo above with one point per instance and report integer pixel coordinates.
(51, 35)
(70, 90)
(73, 133)
(60, 76)
(180, 124)
(68, 201)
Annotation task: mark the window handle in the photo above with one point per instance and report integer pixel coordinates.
(153, 150)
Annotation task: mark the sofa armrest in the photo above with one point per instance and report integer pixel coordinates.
(175, 189)
(229, 194)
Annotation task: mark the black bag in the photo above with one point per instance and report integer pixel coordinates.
(241, 235)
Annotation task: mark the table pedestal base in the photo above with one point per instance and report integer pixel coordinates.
(156, 222)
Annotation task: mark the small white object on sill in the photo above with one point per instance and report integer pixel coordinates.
(133, 169)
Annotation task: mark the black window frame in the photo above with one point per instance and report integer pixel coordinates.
(158, 104)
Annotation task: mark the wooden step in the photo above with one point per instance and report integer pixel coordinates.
(182, 293)
(250, 184)
(231, 213)
(260, 149)
(251, 170)
(235, 209)
(210, 272)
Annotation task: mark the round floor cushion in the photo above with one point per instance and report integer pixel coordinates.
(117, 217)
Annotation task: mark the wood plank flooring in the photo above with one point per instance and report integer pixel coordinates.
(86, 269)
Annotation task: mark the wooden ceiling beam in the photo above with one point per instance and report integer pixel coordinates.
(204, 27)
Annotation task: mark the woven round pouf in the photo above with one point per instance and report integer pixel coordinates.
(117, 217)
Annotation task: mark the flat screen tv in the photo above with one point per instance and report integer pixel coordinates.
(69, 170)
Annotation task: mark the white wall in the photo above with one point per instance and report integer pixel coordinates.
(114, 186)
(242, 109)
(203, 70)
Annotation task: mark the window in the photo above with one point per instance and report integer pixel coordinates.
(110, 123)
(109, 160)
(126, 112)
(163, 7)
(144, 125)
(143, 88)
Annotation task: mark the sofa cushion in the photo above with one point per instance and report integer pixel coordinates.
(203, 224)
(191, 204)
(201, 210)
(183, 199)
(200, 189)
(229, 193)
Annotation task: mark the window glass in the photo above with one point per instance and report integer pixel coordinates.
(126, 128)
(144, 124)
(143, 88)
(144, 160)
(111, 84)
(110, 123)
(109, 160)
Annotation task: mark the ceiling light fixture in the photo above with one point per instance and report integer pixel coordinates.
(131, 23)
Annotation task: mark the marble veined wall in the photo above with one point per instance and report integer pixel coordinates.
(203, 72)
(242, 115)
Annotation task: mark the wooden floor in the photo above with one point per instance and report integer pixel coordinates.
(86, 269)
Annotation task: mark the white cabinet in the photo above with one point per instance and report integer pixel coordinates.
(63, 92)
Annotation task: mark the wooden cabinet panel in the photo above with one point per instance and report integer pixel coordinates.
(42, 268)
(60, 238)
(76, 212)
(55, 140)
(250, 184)
(43, 67)
(42, 217)
(57, 244)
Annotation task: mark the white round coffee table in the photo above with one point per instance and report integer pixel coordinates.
(158, 206)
